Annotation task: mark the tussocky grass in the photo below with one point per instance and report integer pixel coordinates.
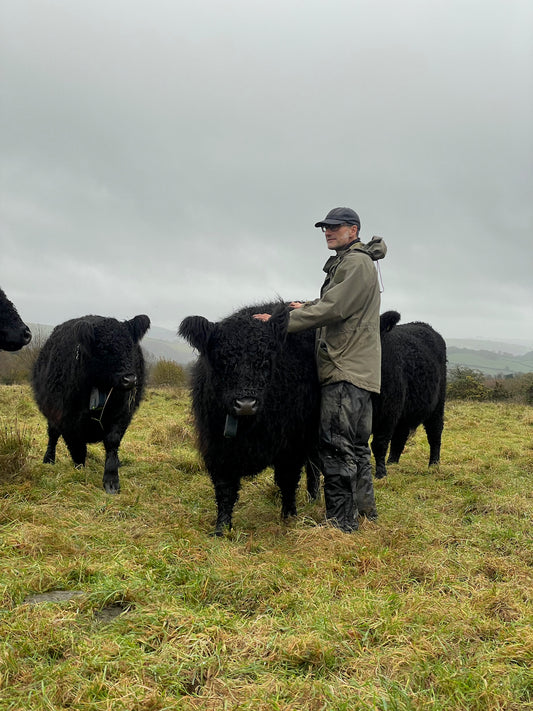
(429, 608)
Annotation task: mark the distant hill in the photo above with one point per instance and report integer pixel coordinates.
(161, 343)
(157, 349)
(490, 357)
(515, 348)
(490, 362)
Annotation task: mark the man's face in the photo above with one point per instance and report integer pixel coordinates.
(338, 237)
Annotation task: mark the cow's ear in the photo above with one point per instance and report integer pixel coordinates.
(197, 331)
(138, 326)
(279, 322)
(388, 320)
(85, 335)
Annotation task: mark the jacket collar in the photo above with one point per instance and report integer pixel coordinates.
(341, 253)
(376, 249)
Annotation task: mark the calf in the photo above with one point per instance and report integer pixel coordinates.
(413, 389)
(87, 381)
(14, 334)
(255, 400)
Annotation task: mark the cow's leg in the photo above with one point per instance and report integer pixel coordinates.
(77, 449)
(226, 494)
(111, 479)
(287, 475)
(312, 472)
(398, 440)
(380, 444)
(53, 437)
(434, 426)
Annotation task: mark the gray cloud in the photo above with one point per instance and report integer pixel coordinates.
(172, 158)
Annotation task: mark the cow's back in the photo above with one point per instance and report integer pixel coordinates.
(414, 368)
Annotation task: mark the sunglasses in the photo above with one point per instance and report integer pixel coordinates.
(331, 228)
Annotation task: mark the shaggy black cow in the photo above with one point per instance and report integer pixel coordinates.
(255, 400)
(13, 331)
(88, 380)
(413, 389)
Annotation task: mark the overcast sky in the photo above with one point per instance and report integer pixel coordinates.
(171, 157)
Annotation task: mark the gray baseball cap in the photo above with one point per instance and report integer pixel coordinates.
(340, 216)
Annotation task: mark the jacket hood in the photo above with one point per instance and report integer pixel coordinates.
(376, 248)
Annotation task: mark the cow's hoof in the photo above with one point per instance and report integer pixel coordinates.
(220, 530)
(369, 515)
(111, 487)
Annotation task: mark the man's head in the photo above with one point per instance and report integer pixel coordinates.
(341, 226)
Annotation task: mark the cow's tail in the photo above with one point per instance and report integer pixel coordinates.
(388, 320)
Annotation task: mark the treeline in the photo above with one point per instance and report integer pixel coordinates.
(17, 367)
(463, 383)
(469, 384)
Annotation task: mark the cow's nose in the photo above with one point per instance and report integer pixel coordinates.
(245, 406)
(26, 335)
(128, 381)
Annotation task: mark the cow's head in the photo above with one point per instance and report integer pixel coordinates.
(14, 334)
(240, 355)
(107, 349)
(388, 320)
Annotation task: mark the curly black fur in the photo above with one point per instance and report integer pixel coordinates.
(14, 334)
(243, 360)
(83, 357)
(413, 389)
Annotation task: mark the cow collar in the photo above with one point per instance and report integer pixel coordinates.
(97, 404)
(98, 399)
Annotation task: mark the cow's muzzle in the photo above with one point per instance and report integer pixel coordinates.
(127, 382)
(15, 340)
(245, 406)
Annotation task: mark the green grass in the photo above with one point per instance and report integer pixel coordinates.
(430, 608)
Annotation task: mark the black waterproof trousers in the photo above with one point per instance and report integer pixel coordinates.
(345, 427)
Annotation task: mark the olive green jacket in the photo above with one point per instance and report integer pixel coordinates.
(346, 317)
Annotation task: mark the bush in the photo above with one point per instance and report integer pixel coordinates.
(520, 387)
(167, 373)
(498, 391)
(467, 384)
(17, 366)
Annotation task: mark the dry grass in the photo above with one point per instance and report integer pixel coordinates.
(430, 608)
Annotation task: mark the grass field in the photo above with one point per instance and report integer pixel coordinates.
(429, 608)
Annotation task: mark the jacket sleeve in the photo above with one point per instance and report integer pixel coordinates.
(350, 282)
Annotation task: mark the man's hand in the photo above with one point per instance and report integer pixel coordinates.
(293, 305)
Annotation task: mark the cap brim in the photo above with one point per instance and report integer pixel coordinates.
(325, 223)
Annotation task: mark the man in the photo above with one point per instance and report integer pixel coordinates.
(348, 353)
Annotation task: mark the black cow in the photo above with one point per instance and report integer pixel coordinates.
(255, 399)
(88, 380)
(13, 331)
(413, 389)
